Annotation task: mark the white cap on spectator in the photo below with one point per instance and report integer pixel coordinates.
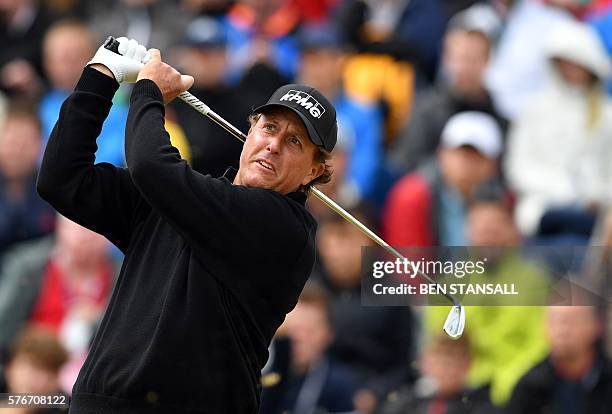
(478, 18)
(476, 129)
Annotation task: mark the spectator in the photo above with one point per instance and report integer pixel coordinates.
(428, 207)
(35, 361)
(518, 68)
(76, 283)
(468, 44)
(204, 57)
(360, 124)
(442, 389)
(397, 44)
(67, 47)
(62, 286)
(21, 275)
(261, 37)
(410, 30)
(505, 332)
(22, 27)
(377, 343)
(575, 377)
(315, 382)
(560, 191)
(23, 214)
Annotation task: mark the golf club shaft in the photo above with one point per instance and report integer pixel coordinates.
(205, 110)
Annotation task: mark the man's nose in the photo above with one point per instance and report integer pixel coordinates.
(274, 144)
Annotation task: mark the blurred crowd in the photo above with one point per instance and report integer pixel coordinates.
(461, 123)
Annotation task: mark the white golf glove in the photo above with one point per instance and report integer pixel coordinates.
(125, 65)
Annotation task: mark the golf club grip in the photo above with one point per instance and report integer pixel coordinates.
(112, 44)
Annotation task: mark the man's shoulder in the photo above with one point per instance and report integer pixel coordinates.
(539, 378)
(284, 209)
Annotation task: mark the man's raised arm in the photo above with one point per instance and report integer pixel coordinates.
(101, 196)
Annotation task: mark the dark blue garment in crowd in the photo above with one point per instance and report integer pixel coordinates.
(23, 219)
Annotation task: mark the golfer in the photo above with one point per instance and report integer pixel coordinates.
(212, 265)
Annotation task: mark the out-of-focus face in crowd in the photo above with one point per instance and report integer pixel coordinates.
(67, 47)
(322, 69)
(203, 54)
(465, 57)
(310, 332)
(206, 65)
(36, 358)
(491, 224)
(464, 168)
(79, 246)
(339, 245)
(20, 140)
(574, 74)
(572, 331)
(446, 363)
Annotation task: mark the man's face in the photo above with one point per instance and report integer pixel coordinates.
(490, 224)
(339, 245)
(322, 68)
(447, 366)
(19, 147)
(466, 55)
(206, 64)
(24, 375)
(310, 333)
(574, 74)
(278, 155)
(464, 168)
(66, 51)
(572, 330)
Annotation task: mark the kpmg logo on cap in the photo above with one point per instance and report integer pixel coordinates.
(306, 101)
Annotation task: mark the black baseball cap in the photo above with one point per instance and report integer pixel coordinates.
(318, 115)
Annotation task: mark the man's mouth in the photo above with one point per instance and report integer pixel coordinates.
(265, 165)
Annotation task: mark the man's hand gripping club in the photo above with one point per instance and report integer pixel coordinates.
(124, 65)
(133, 62)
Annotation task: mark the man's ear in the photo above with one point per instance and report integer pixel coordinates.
(315, 172)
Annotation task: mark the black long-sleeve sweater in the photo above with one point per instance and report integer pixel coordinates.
(210, 268)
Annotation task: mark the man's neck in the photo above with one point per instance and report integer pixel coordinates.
(15, 189)
(576, 366)
(476, 95)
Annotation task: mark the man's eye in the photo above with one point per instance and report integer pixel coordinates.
(295, 140)
(269, 127)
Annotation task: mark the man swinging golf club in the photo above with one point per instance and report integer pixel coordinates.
(211, 265)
